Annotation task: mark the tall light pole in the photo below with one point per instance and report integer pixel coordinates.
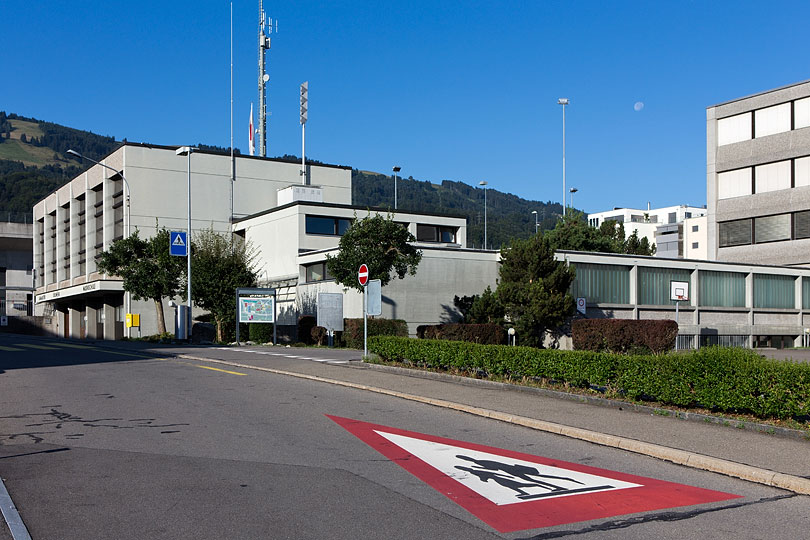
(563, 102)
(396, 170)
(536, 223)
(127, 214)
(572, 191)
(186, 151)
(484, 183)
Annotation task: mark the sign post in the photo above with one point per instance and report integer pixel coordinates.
(362, 278)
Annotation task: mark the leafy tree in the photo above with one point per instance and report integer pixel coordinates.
(573, 232)
(219, 265)
(380, 243)
(148, 271)
(634, 246)
(486, 308)
(533, 288)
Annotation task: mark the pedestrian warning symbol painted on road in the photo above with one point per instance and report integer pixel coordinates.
(512, 491)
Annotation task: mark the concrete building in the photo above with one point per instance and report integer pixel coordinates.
(758, 177)
(733, 304)
(292, 225)
(16, 269)
(661, 226)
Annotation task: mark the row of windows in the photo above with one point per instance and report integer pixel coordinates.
(763, 122)
(775, 176)
(336, 226)
(760, 230)
(601, 283)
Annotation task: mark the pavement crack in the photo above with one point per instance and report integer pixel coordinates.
(659, 516)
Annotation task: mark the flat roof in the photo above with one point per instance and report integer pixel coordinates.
(759, 94)
(349, 207)
(654, 258)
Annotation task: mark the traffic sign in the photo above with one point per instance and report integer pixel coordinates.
(362, 275)
(513, 491)
(178, 245)
(581, 305)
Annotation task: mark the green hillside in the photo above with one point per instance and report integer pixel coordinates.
(33, 163)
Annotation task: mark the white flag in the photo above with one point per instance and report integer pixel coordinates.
(252, 143)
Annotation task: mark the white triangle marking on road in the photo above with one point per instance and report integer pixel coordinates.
(503, 480)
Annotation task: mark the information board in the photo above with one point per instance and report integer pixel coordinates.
(330, 311)
(257, 308)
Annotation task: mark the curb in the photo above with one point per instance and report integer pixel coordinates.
(757, 475)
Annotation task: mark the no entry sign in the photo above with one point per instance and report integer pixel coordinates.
(512, 491)
(362, 275)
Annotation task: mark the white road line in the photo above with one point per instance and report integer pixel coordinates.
(13, 519)
(285, 355)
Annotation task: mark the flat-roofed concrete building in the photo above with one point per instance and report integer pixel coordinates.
(758, 177)
(16, 268)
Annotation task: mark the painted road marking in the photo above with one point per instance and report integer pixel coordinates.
(511, 491)
(9, 349)
(74, 346)
(35, 346)
(221, 370)
(285, 355)
(12, 516)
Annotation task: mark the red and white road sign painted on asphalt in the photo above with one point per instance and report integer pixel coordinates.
(362, 275)
(512, 491)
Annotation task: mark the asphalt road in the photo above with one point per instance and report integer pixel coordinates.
(99, 443)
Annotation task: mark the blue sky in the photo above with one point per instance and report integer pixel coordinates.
(463, 91)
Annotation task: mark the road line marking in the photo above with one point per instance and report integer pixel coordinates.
(222, 370)
(74, 346)
(142, 355)
(750, 473)
(13, 519)
(10, 349)
(34, 346)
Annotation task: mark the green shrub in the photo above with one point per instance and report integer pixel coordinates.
(260, 332)
(622, 335)
(486, 334)
(353, 330)
(718, 378)
(319, 334)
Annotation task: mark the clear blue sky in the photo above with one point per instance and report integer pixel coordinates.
(462, 91)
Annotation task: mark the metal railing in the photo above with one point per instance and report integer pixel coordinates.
(16, 308)
(8, 216)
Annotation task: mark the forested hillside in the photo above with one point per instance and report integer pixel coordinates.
(33, 163)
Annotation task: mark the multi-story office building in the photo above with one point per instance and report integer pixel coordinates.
(758, 177)
(16, 268)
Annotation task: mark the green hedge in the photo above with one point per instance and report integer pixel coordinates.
(260, 332)
(353, 330)
(717, 378)
(624, 335)
(487, 334)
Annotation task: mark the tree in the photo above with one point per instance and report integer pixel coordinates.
(148, 271)
(573, 232)
(634, 246)
(533, 288)
(486, 308)
(381, 244)
(219, 265)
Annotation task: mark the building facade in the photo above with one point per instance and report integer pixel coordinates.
(16, 269)
(758, 177)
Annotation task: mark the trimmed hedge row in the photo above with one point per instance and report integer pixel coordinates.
(487, 334)
(620, 335)
(353, 330)
(717, 378)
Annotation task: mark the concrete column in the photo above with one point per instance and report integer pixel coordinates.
(91, 328)
(749, 303)
(74, 323)
(109, 322)
(634, 290)
(47, 256)
(694, 298)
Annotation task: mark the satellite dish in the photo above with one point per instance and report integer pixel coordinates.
(265, 77)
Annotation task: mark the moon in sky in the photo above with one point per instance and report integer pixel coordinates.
(638, 106)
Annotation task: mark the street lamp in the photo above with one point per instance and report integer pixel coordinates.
(396, 170)
(186, 151)
(126, 214)
(563, 102)
(536, 223)
(572, 191)
(484, 183)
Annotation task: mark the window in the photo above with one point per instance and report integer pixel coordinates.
(695, 228)
(721, 289)
(673, 217)
(734, 183)
(801, 172)
(687, 215)
(602, 283)
(801, 225)
(772, 120)
(331, 226)
(774, 291)
(772, 228)
(435, 233)
(801, 113)
(694, 245)
(734, 233)
(772, 177)
(317, 272)
(734, 129)
(654, 284)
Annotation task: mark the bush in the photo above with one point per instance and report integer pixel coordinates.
(260, 332)
(486, 334)
(319, 334)
(305, 325)
(353, 330)
(621, 335)
(718, 378)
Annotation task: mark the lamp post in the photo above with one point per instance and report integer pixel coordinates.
(484, 183)
(563, 102)
(536, 223)
(572, 191)
(186, 151)
(396, 170)
(127, 214)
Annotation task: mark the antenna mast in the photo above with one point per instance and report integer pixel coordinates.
(264, 44)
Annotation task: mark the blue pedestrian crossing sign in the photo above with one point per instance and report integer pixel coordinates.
(177, 244)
